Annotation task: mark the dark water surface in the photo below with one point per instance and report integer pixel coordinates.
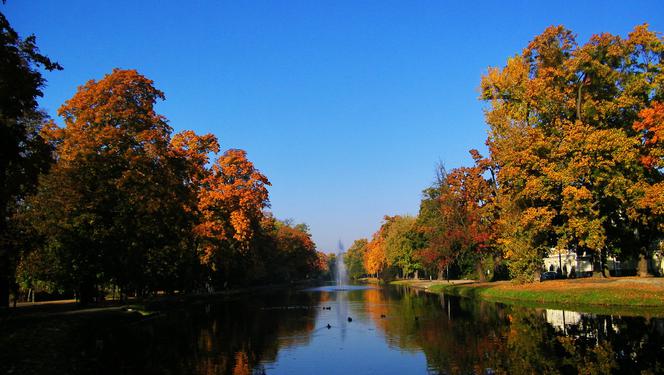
(393, 331)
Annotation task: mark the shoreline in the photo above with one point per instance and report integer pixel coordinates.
(145, 305)
(618, 295)
(33, 332)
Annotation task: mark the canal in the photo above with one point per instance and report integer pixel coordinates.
(388, 330)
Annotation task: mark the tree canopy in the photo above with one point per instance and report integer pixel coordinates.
(575, 162)
(129, 205)
(23, 152)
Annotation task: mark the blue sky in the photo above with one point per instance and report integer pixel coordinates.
(346, 106)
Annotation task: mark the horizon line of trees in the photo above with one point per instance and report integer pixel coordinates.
(576, 161)
(113, 200)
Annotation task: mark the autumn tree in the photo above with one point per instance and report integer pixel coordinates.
(457, 219)
(565, 146)
(284, 252)
(193, 151)
(472, 196)
(296, 252)
(649, 208)
(322, 267)
(231, 202)
(114, 206)
(435, 255)
(190, 155)
(392, 247)
(375, 259)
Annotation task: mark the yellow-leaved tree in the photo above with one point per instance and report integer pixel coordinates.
(572, 165)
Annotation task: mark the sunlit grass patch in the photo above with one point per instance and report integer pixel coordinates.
(632, 295)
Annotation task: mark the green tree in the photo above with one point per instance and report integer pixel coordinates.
(400, 245)
(23, 153)
(354, 258)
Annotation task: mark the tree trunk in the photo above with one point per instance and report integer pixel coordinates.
(643, 270)
(86, 292)
(4, 290)
(598, 265)
(4, 276)
(480, 272)
(4, 249)
(536, 276)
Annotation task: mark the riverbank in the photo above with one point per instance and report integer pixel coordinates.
(56, 337)
(146, 304)
(629, 295)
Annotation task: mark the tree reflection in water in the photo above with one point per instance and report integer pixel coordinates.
(461, 336)
(234, 337)
(456, 336)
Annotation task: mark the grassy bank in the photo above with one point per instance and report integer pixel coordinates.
(629, 295)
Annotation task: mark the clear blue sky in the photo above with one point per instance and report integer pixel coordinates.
(346, 106)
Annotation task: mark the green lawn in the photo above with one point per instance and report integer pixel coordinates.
(626, 295)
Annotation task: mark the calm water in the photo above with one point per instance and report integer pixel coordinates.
(393, 331)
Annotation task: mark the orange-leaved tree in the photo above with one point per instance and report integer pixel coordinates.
(375, 258)
(231, 202)
(651, 128)
(112, 207)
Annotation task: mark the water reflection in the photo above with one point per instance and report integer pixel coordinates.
(226, 338)
(393, 331)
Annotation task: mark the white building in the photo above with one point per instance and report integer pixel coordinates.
(561, 320)
(569, 262)
(582, 265)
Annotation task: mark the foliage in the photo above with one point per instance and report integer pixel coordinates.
(375, 259)
(354, 258)
(576, 162)
(23, 152)
(292, 253)
(457, 219)
(113, 205)
(572, 166)
(128, 205)
(114, 198)
(332, 266)
(231, 202)
(400, 244)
